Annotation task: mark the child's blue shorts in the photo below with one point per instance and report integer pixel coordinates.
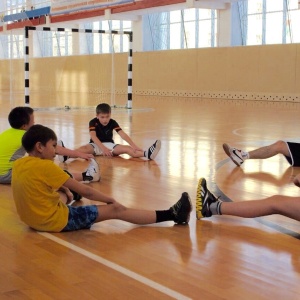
(81, 217)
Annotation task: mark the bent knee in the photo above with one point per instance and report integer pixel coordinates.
(281, 147)
(86, 149)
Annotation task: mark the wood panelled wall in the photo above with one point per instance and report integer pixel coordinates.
(255, 73)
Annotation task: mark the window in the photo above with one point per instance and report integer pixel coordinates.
(272, 22)
(181, 29)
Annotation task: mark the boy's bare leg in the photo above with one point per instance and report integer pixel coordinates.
(124, 149)
(207, 205)
(86, 149)
(179, 213)
(135, 216)
(150, 153)
(280, 147)
(282, 205)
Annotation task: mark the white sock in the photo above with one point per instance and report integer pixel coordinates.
(215, 208)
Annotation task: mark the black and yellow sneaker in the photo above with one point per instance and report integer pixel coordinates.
(182, 209)
(204, 198)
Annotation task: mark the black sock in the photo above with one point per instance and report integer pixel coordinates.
(164, 215)
(76, 196)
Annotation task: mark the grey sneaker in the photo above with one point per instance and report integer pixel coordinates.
(204, 198)
(62, 158)
(182, 209)
(92, 173)
(234, 154)
(154, 149)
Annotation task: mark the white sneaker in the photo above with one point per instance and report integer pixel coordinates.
(92, 173)
(62, 158)
(234, 154)
(154, 149)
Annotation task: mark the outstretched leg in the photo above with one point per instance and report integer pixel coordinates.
(280, 147)
(239, 156)
(281, 205)
(207, 205)
(150, 153)
(179, 213)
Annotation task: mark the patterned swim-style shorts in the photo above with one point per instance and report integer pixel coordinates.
(81, 217)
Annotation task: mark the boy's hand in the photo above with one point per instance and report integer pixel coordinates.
(67, 192)
(106, 151)
(86, 156)
(69, 195)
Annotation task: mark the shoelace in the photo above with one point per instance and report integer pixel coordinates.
(176, 207)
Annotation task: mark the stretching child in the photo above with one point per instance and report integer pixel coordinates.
(36, 181)
(101, 133)
(21, 119)
(207, 205)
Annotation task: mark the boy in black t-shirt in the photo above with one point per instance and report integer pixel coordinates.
(101, 143)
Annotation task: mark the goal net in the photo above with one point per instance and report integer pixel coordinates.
(77, 81)
(62, 68)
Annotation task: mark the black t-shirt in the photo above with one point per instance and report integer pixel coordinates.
(104, 133)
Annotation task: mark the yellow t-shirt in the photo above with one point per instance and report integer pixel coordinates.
(34, 184)
(11, 148)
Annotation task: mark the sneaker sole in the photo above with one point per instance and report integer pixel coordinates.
(226, 150)
(201, 202)
(96, 167)
(157, 148)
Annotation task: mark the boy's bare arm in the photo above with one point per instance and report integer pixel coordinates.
(88, 192)
(72, 153)
(127, 139)
(105, 150)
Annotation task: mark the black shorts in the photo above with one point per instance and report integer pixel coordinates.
(294, 149)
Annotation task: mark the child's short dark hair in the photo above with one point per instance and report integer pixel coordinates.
(103, 108)
(19, 116)
(37, 133)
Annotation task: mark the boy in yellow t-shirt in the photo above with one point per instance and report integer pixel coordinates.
(40, 193)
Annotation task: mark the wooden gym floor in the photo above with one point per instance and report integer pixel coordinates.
(215, 258)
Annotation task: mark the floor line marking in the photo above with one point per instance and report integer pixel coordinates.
(116, 267)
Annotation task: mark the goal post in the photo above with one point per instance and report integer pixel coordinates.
(76, 30)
